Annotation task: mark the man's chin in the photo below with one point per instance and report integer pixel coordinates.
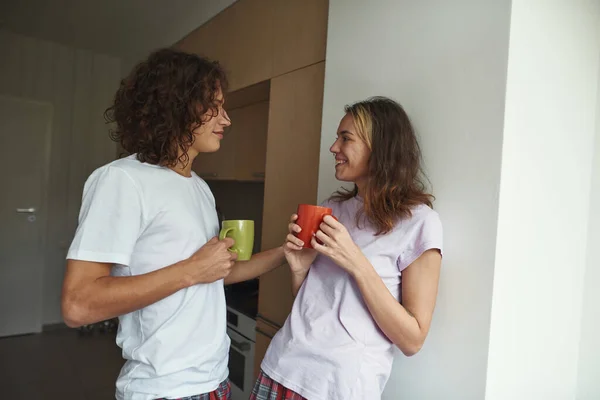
(213, 149)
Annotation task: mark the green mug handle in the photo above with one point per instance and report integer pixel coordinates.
(223, 235)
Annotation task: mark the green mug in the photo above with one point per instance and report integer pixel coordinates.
(242, 231)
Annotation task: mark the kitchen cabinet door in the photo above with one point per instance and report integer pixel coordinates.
(275, 298)
(250, 53)
(219, 165)
(250, 141)
(264, 333)
(243, 149)
(240, 38)
(260, 348)
(293, 145)
(212, 40)
(299, 34)
(256, 40)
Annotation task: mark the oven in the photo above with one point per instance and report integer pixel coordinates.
(241, 332)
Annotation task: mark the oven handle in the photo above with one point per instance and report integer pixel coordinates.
(241, 346)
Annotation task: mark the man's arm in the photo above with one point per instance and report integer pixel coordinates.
(257, 265)
(90, 294)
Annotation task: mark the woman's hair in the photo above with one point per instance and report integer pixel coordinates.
(162, 101)
(395, 178)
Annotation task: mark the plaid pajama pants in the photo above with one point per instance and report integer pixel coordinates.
(223, 392)
(266, 388)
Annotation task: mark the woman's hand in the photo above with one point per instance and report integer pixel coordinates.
(299, 258)
(337, 244)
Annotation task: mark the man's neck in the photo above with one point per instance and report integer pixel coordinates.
(185, 169)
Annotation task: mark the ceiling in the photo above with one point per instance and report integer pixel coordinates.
(128, 29)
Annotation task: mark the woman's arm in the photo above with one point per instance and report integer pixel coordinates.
(406, 324)
(259, 264)
(298, 258)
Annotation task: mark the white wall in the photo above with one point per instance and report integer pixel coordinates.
(589, 350)
(446, 63)
(80, 84)
(547, 158)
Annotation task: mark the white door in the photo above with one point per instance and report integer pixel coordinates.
(25, 130)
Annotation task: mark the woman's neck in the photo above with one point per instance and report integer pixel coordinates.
(361, 187)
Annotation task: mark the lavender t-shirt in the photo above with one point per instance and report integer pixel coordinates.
(330, 348)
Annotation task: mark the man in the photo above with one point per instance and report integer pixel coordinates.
(145, 248)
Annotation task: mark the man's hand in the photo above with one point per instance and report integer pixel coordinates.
(211, 262)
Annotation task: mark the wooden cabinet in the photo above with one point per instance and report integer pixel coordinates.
(293, 145)
(212, 39)
(241, 38)
(256, 40)
(282, 41)
(251, 52)
(275, 298)
(243, 149)
(261, 346)
(249, 125)
(219, 165)
(299, 34)
(264, 333)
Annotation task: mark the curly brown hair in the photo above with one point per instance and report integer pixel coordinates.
(162, 101)
(395, 179)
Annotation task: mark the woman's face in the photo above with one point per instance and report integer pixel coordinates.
(351, 153)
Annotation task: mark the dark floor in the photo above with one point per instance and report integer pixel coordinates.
(59, 364)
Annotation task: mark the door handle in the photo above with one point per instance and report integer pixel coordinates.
(30, 210)
(242, 346)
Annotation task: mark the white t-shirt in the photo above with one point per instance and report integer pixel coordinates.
(142, 218)
(330, 347)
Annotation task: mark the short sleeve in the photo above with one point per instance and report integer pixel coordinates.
(427, 235)
(110, 219)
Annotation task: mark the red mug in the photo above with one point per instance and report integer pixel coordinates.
(309, 219)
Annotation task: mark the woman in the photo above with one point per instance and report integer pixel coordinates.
(371, 280)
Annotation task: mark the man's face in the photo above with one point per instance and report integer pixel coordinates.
(208, 136)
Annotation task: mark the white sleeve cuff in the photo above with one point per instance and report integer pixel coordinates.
(113, 258)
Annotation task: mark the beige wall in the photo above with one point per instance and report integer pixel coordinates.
(80, 85)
